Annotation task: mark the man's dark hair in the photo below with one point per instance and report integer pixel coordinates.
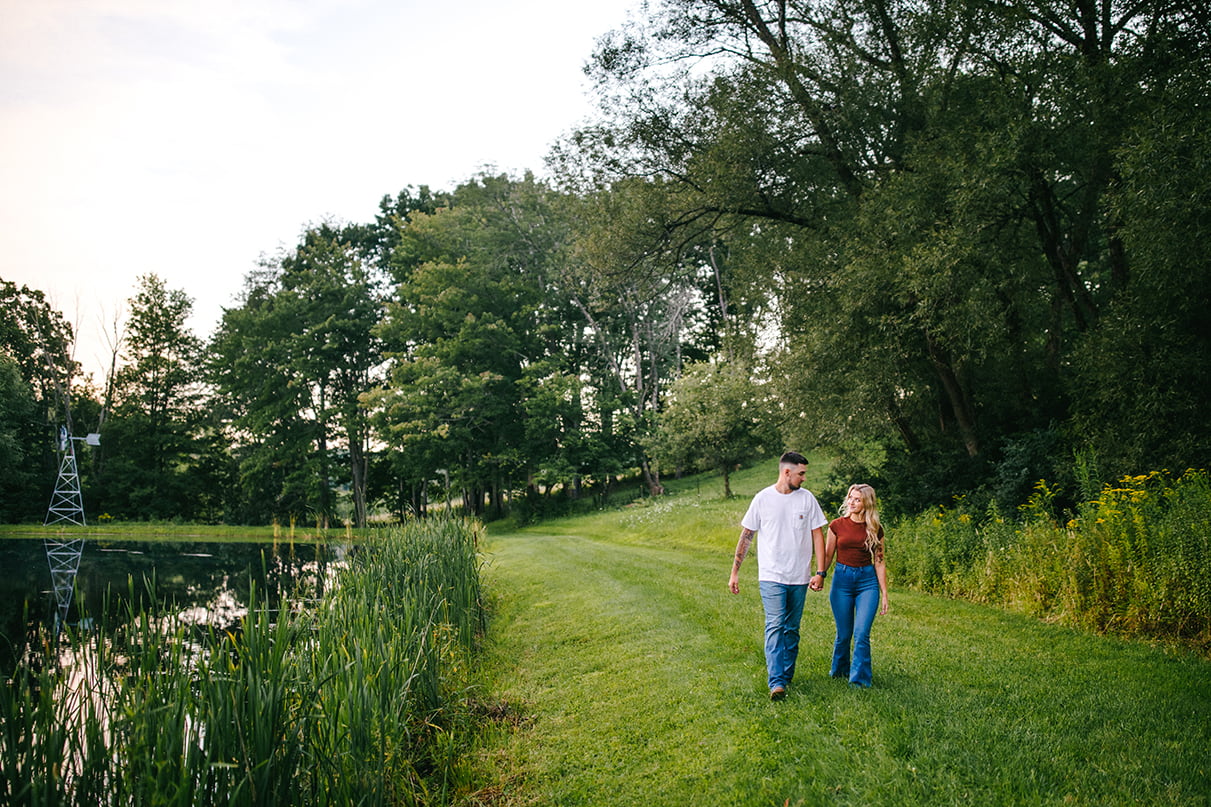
(793, 458)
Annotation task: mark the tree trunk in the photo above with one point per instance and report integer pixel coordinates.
(322, 443)
(959, 404)
(1063, 253)
(358, 470)
(907, 434)
(651, 478)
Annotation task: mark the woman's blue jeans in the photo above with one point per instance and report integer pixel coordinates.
(854, 597)
(783, 612)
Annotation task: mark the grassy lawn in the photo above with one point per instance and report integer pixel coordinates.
(635, 678)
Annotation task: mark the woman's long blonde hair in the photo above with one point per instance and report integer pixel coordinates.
(870, 512)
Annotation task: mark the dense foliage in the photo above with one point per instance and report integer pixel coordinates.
(36, 367)
(958, 245)
(1132, 561)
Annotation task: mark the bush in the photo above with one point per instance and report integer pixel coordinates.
(1136, 561)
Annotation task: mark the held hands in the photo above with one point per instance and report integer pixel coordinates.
(816, 583)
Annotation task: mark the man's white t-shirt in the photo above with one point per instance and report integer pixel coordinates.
(784, 523)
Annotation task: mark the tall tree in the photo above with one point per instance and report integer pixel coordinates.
(928, 183)
(37, 342)
(331, 292)
(292, 363)
(40, 340)
(470, 320)
(640, 294)
(717, 418)
(1141, 383)
(17, 410)
(152, 439)
(272, 435)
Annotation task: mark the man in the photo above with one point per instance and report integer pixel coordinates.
(790, 522)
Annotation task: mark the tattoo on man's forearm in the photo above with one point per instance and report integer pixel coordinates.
(746, 541)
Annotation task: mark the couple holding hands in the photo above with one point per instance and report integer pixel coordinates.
(791, 525)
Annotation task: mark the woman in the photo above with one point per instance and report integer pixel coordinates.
(859, 582)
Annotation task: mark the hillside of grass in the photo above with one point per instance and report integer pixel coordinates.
(620, 671)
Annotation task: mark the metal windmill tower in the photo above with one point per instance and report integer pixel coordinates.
(66, 504)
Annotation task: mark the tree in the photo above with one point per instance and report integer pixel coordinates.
(472, 319)
(928, 184)
(150, 448)
(272, 437)
(16, 415)
(39, 340)
(36, 343)
(645, 299)
(799, 114)
(1141, 384)
(717, 418)
(291, 364)
(330, 290)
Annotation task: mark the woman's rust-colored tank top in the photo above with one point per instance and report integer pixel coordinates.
(851, 542)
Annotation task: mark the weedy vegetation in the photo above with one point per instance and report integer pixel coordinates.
(1134, 561)
(353, 700)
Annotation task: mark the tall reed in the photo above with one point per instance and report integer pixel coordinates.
(343, 702)
(1135, 561)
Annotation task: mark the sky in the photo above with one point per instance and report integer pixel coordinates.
(189, 138)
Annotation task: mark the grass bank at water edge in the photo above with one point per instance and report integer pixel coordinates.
(352, 701)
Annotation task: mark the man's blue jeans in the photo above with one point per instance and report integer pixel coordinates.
(854, 597)
(783, 611)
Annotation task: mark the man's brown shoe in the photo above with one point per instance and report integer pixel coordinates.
(777, 693)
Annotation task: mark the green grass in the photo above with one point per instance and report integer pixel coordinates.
(635, 678)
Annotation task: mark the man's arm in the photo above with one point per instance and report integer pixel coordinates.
(821, 559)
(742, 547)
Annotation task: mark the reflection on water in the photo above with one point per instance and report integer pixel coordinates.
(199, 582)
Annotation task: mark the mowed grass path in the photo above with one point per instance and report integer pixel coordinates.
(640, 681)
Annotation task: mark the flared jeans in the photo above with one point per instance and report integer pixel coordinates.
(854, 597)
(783, 612)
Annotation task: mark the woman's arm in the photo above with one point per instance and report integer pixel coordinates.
(881, 573)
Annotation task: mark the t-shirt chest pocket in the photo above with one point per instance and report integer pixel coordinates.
(800, 520)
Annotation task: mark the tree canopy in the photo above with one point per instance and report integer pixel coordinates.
(958, 245)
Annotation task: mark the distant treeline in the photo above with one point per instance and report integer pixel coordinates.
(962, 246)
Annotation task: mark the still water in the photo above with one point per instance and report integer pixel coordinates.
(203, 582)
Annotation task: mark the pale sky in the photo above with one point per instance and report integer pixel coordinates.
(189, 137)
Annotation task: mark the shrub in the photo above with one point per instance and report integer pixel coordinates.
(1135, 561)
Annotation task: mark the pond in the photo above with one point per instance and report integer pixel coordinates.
(203, 582)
